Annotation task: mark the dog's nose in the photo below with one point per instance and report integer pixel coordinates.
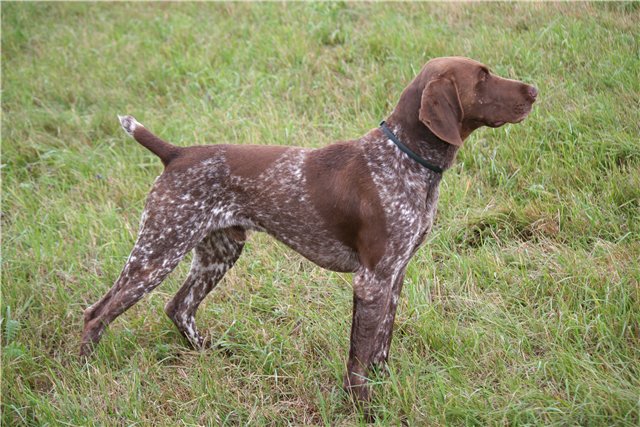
(533, 92)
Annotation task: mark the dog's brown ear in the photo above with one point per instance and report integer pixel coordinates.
(441, 111)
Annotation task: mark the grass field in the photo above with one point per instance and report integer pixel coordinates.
(523, 307)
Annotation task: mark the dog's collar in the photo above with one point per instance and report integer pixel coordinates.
(407, 150)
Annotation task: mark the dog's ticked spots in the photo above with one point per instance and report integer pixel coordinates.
(360, 206)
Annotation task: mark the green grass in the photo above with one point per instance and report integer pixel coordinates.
(523, 308)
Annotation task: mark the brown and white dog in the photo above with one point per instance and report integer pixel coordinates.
(361, 206)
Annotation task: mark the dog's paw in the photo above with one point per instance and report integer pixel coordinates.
(129, 124)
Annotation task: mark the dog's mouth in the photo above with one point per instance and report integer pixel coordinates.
(522, 116)
(499, 123)
(520, 113)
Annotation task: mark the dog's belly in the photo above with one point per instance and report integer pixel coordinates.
(314, 243)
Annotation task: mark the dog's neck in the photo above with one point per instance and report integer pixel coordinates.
(423, 142)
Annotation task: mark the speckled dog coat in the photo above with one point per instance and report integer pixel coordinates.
(361, 206)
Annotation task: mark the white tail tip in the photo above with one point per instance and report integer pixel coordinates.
(128, 123)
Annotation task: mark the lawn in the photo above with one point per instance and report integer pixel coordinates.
(522, 308)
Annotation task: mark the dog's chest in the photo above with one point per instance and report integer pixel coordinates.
(428, 213)
(408, 194)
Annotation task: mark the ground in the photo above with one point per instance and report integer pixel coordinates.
(522, 308)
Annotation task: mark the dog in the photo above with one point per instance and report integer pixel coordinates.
(363, 206)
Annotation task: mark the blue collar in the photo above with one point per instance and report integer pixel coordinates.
(407, 150)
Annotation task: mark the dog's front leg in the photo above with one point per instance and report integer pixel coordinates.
(374, 306)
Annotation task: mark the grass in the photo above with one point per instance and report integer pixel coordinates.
(523, 308)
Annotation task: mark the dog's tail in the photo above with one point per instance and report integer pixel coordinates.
(160, 148)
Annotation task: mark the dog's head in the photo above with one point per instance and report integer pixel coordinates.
(454, 96)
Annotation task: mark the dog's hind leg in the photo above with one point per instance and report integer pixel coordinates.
(212, 258)
(169, 229)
